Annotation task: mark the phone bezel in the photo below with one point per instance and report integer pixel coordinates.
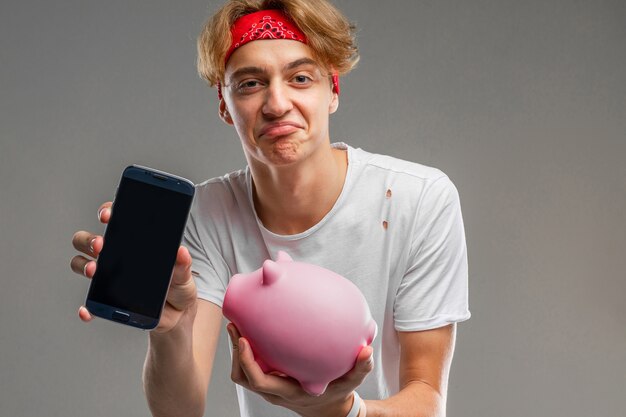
(160, 179)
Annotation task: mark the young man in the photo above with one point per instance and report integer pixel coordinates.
(392, 227)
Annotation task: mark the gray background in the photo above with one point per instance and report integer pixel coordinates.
(522, 103)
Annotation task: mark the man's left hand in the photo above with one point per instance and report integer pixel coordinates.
(286, 392)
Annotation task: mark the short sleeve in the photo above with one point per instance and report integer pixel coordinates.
(434, 289)
(210, 281)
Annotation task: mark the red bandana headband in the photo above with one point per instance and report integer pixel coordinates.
(265, 24)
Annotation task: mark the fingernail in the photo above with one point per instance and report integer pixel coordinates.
(101, 212)
(85, 269)
(91, 244)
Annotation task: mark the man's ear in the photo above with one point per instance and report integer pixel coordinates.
(334, 103)
(224, 114)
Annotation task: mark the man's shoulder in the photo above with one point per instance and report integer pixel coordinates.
(226, 183)
(221, 194)
(391, 165)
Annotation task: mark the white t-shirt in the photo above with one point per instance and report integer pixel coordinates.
(396, 231)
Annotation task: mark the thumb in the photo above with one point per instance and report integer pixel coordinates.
(182, 291)
(182, 268)
(365, 360)
(362, 367)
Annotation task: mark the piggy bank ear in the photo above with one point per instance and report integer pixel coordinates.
(272, 272)
(283, 256)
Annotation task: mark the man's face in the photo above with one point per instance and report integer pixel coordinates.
(279, 100)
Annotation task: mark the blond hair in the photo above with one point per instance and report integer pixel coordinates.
(329, 34)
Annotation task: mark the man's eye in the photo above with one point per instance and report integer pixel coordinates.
(301, 79)
(247, 85)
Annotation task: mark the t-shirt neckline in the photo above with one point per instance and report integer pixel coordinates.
(346, 183)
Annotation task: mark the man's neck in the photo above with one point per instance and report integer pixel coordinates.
(290, 200)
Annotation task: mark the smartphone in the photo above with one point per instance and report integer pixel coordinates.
(141, 240)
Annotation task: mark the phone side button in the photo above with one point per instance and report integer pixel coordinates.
(120, 316)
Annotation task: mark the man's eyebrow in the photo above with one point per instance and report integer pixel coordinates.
(245, 71)
(299, 62)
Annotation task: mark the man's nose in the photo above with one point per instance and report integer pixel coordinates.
(277, 100)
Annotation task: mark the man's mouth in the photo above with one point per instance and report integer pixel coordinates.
(273, 130)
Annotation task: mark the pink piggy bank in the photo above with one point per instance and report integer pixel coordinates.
(300, 319)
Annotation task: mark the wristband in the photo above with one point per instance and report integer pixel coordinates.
(356, 405)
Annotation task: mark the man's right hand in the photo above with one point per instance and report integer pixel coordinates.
(181, 296)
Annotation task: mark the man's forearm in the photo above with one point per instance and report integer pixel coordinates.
(417, 399)
(171, 380)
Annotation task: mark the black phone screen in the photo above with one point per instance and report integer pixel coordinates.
(140, 245)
